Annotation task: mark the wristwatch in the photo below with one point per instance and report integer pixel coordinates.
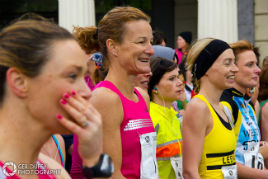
(104, 168)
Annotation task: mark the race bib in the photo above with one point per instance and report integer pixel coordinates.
(229, 172)
(254, 160)
(176, 163)
(148, 168)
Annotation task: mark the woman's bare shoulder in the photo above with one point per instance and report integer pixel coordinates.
(54, 166)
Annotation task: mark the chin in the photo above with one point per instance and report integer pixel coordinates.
(228, 86)
(252, 85)
(59, 129)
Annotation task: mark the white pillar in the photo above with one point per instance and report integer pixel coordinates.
(76, 13)
(218, 19)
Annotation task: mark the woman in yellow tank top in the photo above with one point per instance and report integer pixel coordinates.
(208, 136)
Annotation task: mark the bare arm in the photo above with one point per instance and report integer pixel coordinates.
(145, 96)
(52, 164)
(110, 107)
(264, 126)
(264, 122)
(264, 149)
(247, 172)
(194, 129)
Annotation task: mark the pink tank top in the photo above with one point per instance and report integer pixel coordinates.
(136, 122)
(179, 55)
(42, 171)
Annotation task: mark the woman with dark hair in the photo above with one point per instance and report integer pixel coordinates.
(164, 88)
(184, 40)
(159, 38)
(205, 120)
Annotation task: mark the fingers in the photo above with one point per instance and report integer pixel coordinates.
(80, 110)
(71, 126)
(86, 124)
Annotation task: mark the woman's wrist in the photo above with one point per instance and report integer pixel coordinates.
(103, 168)
(92, 161)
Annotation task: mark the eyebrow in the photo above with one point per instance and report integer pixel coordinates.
(172, 76)
(228, 59)
(78, 68)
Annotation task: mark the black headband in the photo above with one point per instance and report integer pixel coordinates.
(208, 56)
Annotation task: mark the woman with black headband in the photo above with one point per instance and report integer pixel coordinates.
(208, 136)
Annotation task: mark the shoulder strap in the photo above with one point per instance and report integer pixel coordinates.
(229, 99)
(59, 150)
(235, 110)
(229, 115)
(206, 101)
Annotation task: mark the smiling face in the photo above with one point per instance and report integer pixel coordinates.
(135, 50)
(63, 72)
(170, 87)
(142, 80)
(248, 75)
(222, 72)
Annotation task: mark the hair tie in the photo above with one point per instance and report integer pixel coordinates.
(97, 58)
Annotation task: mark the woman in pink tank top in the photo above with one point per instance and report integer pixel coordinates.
(124, 36)
(42, 92)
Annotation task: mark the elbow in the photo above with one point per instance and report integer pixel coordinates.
(188, 174)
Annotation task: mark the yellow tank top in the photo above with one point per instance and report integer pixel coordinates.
(219, 147)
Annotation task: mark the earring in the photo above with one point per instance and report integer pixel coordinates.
(155, 90)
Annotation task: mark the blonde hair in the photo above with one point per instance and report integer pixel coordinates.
(193, 54)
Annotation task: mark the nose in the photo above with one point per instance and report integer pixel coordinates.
(149, 50)
(234, 68)
(84, 90)
(257, 70)
(149, 74)
(179, 82)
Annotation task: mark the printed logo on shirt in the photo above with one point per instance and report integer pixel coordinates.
(137, 124)
(12, 171)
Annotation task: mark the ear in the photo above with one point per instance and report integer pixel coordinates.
(112, 47)
(17, 82)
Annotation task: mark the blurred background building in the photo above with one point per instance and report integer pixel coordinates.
(229, 20)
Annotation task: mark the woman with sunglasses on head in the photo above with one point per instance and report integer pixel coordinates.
(42, 77)
(124, 38)
(208, 136)
(165, 87)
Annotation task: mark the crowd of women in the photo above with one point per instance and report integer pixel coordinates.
(120, 97)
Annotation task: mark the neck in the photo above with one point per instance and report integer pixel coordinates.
(21, 136)
(123, 81)
(240, 89)
(211, 92)
(158, 99)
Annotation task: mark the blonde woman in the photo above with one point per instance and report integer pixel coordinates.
(208, 136)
